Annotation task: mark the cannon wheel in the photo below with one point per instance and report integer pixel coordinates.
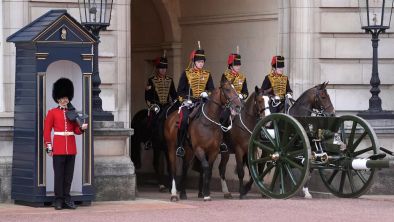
(278, 156)
(361, 142)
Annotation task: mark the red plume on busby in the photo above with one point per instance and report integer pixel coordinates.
(278, 62)
(161, 63)
(63, 87)
(234, 59)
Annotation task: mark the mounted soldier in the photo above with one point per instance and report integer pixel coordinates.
(238, 80)
(195, 84)
(276, 85)
(159, 92)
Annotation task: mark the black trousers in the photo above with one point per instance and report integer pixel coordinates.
(63, 166)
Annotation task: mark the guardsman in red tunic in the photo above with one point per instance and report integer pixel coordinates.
(276, 85)
(195, 83)
(63, 147)
(238, 80)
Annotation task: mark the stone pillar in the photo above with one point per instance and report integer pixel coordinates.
(114, 173)
(297, 43)
(6, 135)
(1, 60)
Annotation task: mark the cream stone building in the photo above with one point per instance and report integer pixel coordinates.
(320, 39)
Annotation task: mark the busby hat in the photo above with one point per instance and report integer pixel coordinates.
(278, 62)
(197, 55)
(234, 59)
(161, 63)
(63, 87)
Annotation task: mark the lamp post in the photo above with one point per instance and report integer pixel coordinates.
(375, 17)
(96, 16)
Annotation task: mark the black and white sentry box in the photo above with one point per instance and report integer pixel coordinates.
(54, 45)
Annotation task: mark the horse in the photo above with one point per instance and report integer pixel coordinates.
(150, 128)
(238, 139)
(316, 101)
(204, 137)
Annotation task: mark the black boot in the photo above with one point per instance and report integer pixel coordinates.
(58, 204)
(69, 204)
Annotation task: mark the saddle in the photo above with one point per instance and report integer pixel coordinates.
(196, 111)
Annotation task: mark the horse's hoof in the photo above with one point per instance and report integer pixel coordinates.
(264, 197)
(228, 196)
(162, 188)
(242, 196)
(208, 198)
(183, 196)
(174, 198)
(307, 195)
(200, 195)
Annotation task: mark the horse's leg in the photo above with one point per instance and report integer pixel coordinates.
(240, 172)
(200, 184)
(305, 189)
(185, 168)
(222, 171)
(172, 170)
(200, 154)
(158, 166)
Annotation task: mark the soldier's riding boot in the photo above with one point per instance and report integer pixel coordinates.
(223, 147)
(180, 151)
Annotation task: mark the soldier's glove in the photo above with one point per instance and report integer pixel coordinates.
(241, 96)
(204, 95)
(49, 148)
(289, 96)
(187, 103)
(155, 108)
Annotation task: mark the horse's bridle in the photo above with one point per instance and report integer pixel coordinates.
(256, 107)
(318, 103)
(229, 100)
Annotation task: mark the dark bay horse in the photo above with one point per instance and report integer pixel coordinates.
(150, 128)
(314, 100)
(204, 136)
(238, 139)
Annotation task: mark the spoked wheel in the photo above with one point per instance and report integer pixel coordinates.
(359, 141)
(279, 156)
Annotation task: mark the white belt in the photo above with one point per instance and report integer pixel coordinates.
(63, 133)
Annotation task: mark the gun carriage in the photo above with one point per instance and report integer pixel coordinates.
(345, 150)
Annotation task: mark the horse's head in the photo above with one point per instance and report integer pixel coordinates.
(258, 104)
(229, 97)
(322, 101)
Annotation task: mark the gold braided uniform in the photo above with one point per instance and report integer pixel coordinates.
(237, 80)
(278, 84)
(162, 88)
(197, 80)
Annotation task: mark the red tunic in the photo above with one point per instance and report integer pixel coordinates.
(63, 144)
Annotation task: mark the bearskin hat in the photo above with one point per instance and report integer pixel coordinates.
(234, 59)
(63, 87)
(161, 63)
(278, 62)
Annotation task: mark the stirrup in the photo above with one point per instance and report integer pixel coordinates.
(148, 145)
(180, 151)
(223, 148)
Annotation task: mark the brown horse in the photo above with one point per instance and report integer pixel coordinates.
(205, 135)
(238, 139)
(315, 100)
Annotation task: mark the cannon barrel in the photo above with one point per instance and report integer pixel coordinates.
(364, 164)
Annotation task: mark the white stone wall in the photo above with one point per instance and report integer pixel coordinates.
(1, 59)
(345, 57)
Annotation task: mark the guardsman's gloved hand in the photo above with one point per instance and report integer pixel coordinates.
(241, 96)
(289, 96)
(204, 95)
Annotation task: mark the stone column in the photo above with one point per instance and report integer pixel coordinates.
(114, 173)
(297, 40)
(1, 59)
